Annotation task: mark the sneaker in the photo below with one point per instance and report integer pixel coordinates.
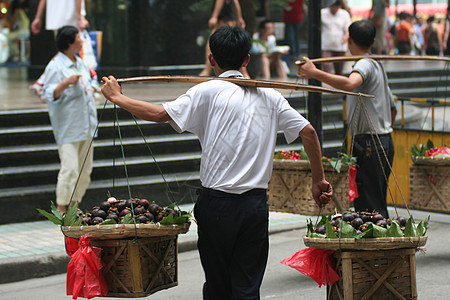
(38, 89)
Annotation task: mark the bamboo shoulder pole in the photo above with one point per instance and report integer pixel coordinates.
(376, 57)
(242, 82)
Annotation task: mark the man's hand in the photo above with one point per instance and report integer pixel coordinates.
(82, 23)
(36, 26)
(111, 88)
(212, 22)
(307, 69)
(73, 79)
(322, 192)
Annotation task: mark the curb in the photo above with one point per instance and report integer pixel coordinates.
(18, 269)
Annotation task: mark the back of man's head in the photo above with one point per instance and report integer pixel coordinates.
(362, 33)
(230, 47)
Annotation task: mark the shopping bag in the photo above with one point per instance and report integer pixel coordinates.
(315, 263)
(71, 245)
(353, 188)
(87, 51)
(84, 276)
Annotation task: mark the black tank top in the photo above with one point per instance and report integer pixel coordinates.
(227, 12)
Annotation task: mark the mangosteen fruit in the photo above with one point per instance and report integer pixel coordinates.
(336, 216)
(402, 221)
(376, 218)
(149, 216)
(358, 231)
(97, 220)
(381, 223)
(113, 216)
(124, 212)
(139, 210)
(105, 206)
(142, 219)
(80, 213)
(355, 215)
(121, 205)
(112, 200)
(336, 222)
(144, 202)
(87, 220)
(357, 222)
(365, 217)
(321, 229)
(128, 203)
(154, 208)
(99, 213)
(158, 217)
(348, 217)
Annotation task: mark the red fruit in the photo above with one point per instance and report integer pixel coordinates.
(144, 202)
(124, 212)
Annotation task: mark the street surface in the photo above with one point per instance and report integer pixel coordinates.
(280, 282)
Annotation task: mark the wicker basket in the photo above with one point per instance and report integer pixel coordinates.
(121, 231)
(138, 268)
(378, 274)
(428, 160)
(365, 244)
(429, 187)
(290, 188)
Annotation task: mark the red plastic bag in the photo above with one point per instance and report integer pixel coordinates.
(84, 276)
(71, 245)
(315, 263)
(353, 189)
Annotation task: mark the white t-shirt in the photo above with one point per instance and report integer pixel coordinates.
(60, 13)
(237, 128)
(334, 28)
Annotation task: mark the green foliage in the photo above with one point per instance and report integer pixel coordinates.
(394, 230)
(420, 151)
(180, 219)
(128, 219)
(346, 230)
(410, 228)
(70, 218)
(423, 226)
(330, 231)
(51, 217)
(109, 222)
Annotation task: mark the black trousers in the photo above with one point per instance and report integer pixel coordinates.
(233, 242)
(373, 171)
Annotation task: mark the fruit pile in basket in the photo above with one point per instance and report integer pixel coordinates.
(335, 162)
(350, 224)
(117, 211)
(429, 150)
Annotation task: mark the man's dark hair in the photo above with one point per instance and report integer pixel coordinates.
(262, 24)
(362, 33)
(403, 15)
(65, 36)
(337, 3)
(230, 46)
